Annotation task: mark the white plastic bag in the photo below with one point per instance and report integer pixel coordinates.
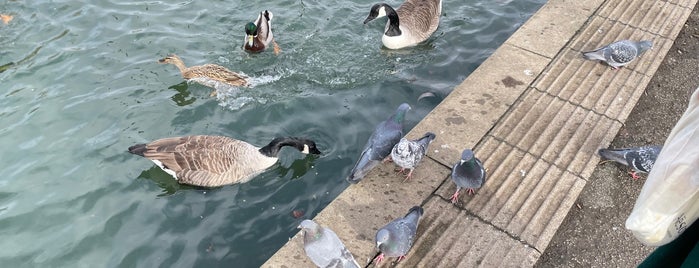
(669, 200)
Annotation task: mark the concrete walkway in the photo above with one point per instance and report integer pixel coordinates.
(535, 112)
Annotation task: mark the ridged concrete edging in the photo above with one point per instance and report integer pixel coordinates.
(535, 113)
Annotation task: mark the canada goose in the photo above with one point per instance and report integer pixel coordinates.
(208, 74)
(619, 53)
(258, 34)
(412, 23)
(211, 161)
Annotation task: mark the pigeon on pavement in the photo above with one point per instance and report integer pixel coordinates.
(619, 53)
(380, 143)
(324, 248)
(640, 159)
(397, 237)
(408, 153)
(467, 173)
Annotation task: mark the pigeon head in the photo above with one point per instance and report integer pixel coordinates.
(382, 237)
(400, 112)
(311, 230)
(467, 156)
(645, 45)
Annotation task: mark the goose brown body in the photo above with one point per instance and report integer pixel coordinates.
(413, 22)
(212, 161)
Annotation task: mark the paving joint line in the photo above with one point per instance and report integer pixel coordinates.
(576, 104)
(536, 157)
(484, 221)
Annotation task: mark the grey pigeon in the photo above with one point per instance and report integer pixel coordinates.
(619, 53)
(324, 248)
(379, 146)
(641, 159)
(408, 153)
(397, 237)
(467, 173)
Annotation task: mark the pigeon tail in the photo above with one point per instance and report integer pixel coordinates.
(616, 155)
(427, 139)
(361, 169)
(414, 209)
(594, 55)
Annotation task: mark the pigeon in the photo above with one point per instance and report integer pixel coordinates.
(467, 173)
(640, 159)
(380, 143)
(396, 238)
(324, 248)
(619, 53)
(408, 153)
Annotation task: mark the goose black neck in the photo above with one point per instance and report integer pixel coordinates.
(272, 149)
(393, 22)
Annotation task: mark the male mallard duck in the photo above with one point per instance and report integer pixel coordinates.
(211, 161)
(412, 23)
(258, 34)
(208, 74)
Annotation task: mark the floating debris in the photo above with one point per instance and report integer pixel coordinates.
(6, 18)
(297, 213)
(426, 95)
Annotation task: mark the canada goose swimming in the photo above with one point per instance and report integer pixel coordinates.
(208, 74)
(412, 23)
(211, 161)
(258, 34)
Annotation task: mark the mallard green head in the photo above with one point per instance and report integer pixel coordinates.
(251, 29)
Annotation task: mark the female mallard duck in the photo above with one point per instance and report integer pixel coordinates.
(258, 34)
(412, 23)
(208, 74)
(211, 161)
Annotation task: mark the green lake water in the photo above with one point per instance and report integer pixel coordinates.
(80, 83)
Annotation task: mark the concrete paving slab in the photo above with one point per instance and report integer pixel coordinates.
(663, 18)
(524, 195)
(545, 34)
(363, 208)
(449, 236)
(474, 106)
(536, 118)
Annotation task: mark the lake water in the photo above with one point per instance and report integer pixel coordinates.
(79, 84)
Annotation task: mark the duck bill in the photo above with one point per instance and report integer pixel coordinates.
(250, 40)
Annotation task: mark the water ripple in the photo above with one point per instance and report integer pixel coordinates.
(82, 85)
